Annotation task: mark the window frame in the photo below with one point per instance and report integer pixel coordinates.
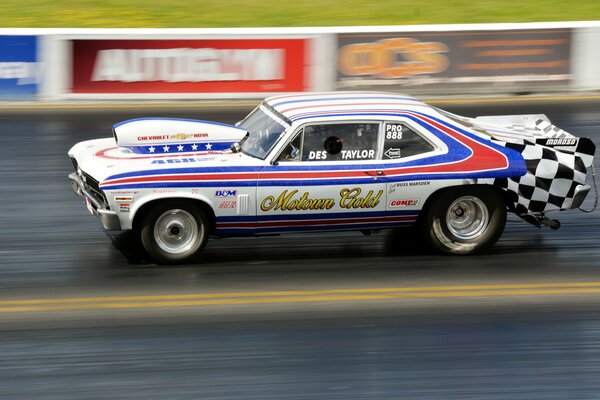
(301, 130)
(438, 145)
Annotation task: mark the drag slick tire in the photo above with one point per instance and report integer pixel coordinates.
(464, 220)
(174, 232)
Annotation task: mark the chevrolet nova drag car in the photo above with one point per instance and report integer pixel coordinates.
(327, 161)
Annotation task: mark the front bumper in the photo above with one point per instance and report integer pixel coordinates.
(108, 218)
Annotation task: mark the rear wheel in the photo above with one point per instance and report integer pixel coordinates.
(464, 220)
(174, 232)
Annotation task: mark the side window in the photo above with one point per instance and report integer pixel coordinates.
(340, 142)
(400, 141)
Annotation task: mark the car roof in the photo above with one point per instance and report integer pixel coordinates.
(325, 104)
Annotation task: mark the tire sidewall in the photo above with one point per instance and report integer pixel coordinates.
(149, 241)
(439, 236)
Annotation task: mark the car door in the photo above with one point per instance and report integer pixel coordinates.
(404, 145)
(326, 176)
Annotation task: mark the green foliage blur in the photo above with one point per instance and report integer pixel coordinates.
(281, 13)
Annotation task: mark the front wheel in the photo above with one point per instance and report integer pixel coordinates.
(174, 232)
(464, 220)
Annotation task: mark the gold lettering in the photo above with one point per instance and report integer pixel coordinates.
(351, 199)
(267, 203)
(286, 202)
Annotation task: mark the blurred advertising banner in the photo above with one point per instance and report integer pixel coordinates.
(455, 61)
(189, 66)
(19, 67)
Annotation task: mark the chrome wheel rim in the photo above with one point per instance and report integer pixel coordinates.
(176, 231)
(467, 218)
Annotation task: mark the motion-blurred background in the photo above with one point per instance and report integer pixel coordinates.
(201, 50)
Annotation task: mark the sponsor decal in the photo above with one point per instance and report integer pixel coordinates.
(182, 160)
(412, 183)
(225, 193)
(349, 199)
(125, 193)
(124, 207)
(561, 142)
(180, 136)
(397, 185)
(393, 153)
(288, 201)
(184, 136)
(190, 66)
(177, 136)
(404, 203)
(124, 198)
(228, 204)
(154, 137)
(164, 191)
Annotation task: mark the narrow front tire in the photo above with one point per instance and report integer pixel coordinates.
(174, 232)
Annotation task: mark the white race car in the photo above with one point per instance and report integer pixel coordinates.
(328, 161)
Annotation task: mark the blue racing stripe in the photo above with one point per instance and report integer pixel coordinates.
(325, 215)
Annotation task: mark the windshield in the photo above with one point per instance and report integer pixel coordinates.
(263, 133)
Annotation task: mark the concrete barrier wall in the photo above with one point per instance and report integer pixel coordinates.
(256, 62)
(585, 59)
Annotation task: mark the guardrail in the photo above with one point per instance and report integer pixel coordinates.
(256, 62)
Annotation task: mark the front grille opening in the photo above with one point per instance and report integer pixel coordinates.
(94, 187)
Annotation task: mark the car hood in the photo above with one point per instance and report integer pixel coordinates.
(103, 159)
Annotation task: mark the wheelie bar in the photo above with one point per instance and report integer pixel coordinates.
(540, 219)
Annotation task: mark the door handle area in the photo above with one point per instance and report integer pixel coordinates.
(374, 173)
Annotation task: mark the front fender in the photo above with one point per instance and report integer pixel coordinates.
(128, 216)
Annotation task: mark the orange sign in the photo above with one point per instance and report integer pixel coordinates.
(393, 58)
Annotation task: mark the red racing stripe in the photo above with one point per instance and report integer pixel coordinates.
(312, 222)
(483, 157)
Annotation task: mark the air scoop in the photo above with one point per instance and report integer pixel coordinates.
(172, 135)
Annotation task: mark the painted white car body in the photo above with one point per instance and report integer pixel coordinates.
(366, 180)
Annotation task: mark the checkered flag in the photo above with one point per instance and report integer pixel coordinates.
(550, 131)
(550, 182)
